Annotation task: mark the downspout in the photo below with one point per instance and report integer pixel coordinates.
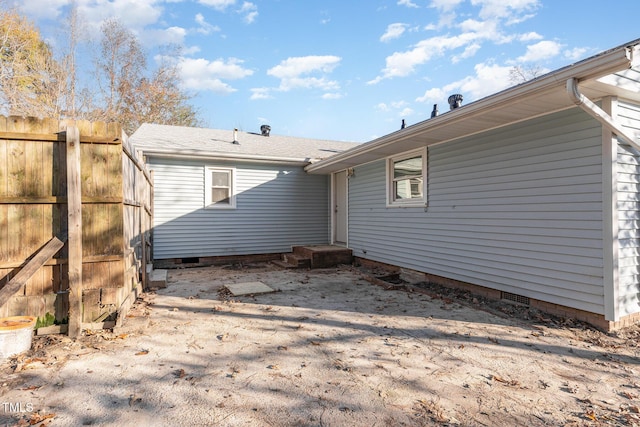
(610, 230)
(598, 113)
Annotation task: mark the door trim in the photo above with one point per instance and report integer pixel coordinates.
(334, 217)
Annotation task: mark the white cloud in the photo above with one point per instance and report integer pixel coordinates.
(542, 50)
(260, 93)
(527, 37)
(576, 53)
(512, 10)
(295, 66)
(203, 26)
(401, 64)
(407, 3)
(488, 79)
(202, 74)
(394, 31)
(218, 4)
(42, 8)
(132, 14)
(334, 95)
(322, 83)
(401, 108)
(474, 31)
(293, 73)
(250, 12)
(167, 36)
(468, 52)
(434, 95)
(398, 104)
(191, 50)
(445, 5)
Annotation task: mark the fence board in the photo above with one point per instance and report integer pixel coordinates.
(33, 266)
(4, 172)
(74, 214)
(114, 208)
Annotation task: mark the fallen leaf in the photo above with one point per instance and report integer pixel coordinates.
(493, 340)
(629, 395)
(33, 387)
(314, 342)
(274, 367)
(503, 381)
(180, 373)
(37, 418)
(591, 415)
(142, 352)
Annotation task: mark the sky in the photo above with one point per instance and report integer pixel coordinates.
(352, 70)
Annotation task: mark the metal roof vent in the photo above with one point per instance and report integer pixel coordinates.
(403, 125)
(235, 136)
(265, 129)
(434, 112)
(455, 101)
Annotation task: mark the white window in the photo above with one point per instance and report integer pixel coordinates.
(406, 179)
(219, 188)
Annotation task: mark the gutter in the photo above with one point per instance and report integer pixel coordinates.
(598, 113)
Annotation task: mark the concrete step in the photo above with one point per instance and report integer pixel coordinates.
(158, 279)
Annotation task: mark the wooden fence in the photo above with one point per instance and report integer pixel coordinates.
(83, 183)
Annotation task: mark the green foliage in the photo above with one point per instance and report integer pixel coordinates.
(48, 320)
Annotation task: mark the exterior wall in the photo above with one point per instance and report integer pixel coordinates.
(277, 206)
(628, 196)
(518, 209)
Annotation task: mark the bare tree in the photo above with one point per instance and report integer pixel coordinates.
(72, 34)
(119, 70)
(520, 74)
(31, 81)
(159, 98)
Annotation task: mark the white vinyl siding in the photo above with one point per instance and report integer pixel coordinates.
(628, 193)
(276, 207)
(518, 209)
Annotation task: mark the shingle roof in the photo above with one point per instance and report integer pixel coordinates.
(187, 141)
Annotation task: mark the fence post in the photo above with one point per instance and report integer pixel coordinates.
(74, 208)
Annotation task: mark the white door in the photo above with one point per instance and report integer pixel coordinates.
(340, 208)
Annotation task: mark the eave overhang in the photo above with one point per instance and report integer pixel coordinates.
(219, 156)
(598, 76)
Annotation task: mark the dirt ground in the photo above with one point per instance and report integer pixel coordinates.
(328, 348)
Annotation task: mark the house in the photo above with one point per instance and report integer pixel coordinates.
(530, 195)
(226, 194)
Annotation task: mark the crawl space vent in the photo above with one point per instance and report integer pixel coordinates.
(515, 298)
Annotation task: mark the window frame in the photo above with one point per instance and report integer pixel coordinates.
(208, 185)
(390, 161)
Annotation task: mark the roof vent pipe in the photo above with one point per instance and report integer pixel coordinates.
(235, 136)
(434, 112)
(265, 129)
(455, 101)
(402, 126)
